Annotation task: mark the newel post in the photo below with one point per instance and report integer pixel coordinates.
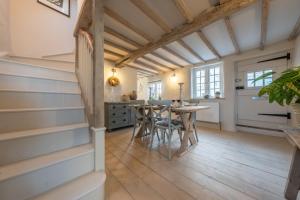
(98, 128)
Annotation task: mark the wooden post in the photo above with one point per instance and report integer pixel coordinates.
(293, 182)
(98, 83)
(98, 61)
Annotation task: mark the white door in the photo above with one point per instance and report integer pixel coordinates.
(256, 114)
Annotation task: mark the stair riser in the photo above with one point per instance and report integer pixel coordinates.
(35, 183)
(33, 84)
(7, 68)
(20, 121)
(14, 100)
(25, 148)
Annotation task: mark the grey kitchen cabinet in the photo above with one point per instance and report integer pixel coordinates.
(119, 114)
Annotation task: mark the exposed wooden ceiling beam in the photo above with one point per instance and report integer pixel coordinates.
(121, 37)
(152, 15)
(114, 45)
(112, 53)
(295, 31)
(127, 24)
(141, 69)
(143, 64)
(202, 20)
(174, 53)
(232, 34)
(264, 23)
(167, 60)
(156, 63)
(208, 44)
(189, 49)
(184, 10)
(110, 60)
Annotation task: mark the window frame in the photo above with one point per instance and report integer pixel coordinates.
(254, 77)
(207, 81)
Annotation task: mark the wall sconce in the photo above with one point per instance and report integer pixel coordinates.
(113, 80)
(173, 78)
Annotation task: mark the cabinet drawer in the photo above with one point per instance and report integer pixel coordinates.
(117, 108)
(118, 122)
(119, 113)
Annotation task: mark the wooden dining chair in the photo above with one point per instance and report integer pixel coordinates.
(162, 121)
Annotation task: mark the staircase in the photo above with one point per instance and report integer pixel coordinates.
(46, 148)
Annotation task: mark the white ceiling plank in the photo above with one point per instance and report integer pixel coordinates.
(156, 18)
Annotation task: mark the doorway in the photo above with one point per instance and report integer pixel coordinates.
(255, 114)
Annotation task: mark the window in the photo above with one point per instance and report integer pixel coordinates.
(155, 90)
(251, 76)
(207, 80)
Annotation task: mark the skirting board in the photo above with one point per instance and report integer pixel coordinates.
(209, 125)
(3, 53)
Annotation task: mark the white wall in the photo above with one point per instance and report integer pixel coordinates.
(297, 52)
(4, 27)
(227, 105)
(128, 82)
(38, 31)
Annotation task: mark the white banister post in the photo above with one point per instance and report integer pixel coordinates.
(98, 84)
(98, 136)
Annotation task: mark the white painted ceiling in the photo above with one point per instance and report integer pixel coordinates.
(246, 24)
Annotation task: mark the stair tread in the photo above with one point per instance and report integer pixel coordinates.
(39, 91)
(74, 80)
(30, 165)
(12, 60)
(41, 131)
(40, 109)
(77, 188)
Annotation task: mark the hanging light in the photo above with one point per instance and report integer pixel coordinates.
(113, 80)
(173, 77)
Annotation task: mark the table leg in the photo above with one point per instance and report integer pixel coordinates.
(293, 182)
(188, 133)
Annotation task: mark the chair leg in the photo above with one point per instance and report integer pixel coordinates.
(157, 135)
(152, 136)
(164, 136)
(169, 145)
(195, 129)
(133, 133)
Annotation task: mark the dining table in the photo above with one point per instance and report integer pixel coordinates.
(187, 115)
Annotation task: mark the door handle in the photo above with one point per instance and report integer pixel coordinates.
(287, 115)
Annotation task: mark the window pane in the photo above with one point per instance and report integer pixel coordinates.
(212, 71)
(211, 79)
(258, 74)
(212, 85)
(250, 75)
(202, 79)
(217, 78)
(212, 93)
(259, 83)
(197, 73)
(250, 83)
(217, 70)
(268, 81)
(217, 84)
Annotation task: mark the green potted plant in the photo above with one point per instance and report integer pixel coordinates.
(285, 90)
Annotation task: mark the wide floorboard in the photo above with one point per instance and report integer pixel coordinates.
(222, 166)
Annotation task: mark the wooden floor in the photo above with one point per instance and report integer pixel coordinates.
(232, 166)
